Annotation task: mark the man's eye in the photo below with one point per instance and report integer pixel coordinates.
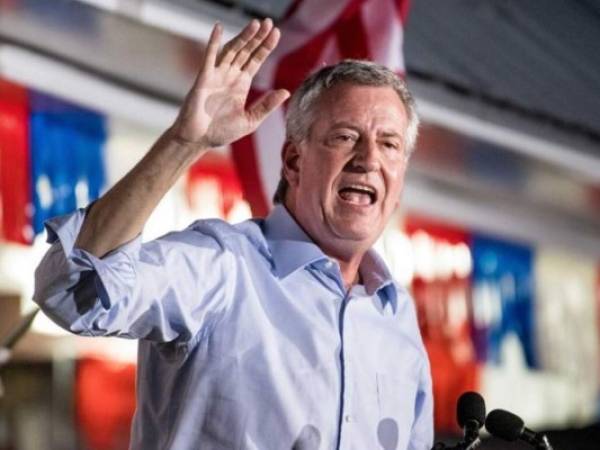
(391, 145)
(345, 138)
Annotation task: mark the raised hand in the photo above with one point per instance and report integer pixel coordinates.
(212, 115)
(214, 111)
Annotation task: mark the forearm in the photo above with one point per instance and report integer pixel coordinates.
(120, 215)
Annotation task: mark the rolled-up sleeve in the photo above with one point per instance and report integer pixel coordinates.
(164, 290)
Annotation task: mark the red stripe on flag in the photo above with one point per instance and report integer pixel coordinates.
(402, 7)
(244, 156)
(352, 37)
(294, 67)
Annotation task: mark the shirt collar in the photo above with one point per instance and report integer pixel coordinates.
(377, 279)
(292, 249)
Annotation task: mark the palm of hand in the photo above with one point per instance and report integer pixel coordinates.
(221, 117)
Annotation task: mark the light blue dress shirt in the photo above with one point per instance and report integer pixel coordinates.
(248, 338)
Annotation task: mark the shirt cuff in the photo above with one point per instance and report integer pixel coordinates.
(66, 229)
(60, 271)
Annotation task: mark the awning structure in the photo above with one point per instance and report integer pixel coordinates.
(509, 92)
(535, 59)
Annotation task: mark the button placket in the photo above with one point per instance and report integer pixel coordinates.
(347, 415)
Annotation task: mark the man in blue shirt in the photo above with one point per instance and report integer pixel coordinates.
(280, 333)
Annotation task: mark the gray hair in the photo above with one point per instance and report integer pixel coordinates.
(301, 107)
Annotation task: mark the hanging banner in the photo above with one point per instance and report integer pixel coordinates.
(212, 186)
(104, 402)
(567, 332)
(503, 296)
(15, 190)
(442, 293)
(67, 156)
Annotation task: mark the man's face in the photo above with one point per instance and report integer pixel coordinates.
(349, 172)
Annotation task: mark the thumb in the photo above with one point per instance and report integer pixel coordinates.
(266, 104)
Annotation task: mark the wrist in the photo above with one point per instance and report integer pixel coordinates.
(195, 147)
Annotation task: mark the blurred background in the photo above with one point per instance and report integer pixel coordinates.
(498, 237)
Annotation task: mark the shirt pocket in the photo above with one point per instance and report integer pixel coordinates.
(396, 397)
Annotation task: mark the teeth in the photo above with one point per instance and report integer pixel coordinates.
(347, 195)
(360, 188)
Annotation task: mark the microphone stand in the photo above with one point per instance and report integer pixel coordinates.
(543, 443)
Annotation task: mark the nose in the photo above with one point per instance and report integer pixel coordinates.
(366, 156)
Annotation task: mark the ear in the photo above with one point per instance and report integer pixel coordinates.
(290, 159)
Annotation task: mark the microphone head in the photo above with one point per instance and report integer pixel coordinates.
(470, 406)
(504, 424)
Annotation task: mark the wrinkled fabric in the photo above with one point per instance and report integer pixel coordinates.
(248, 338)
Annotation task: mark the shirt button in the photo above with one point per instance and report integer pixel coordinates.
(348, 418)
(328, 264)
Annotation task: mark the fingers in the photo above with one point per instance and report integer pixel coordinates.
(261, 53)
(246, 51)
(212, 48)
(249, 49)
(265, 105)
(231, 49)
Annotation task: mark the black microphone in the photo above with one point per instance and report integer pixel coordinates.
(510, 427)
(470, 414)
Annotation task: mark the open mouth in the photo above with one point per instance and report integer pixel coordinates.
(358, 194)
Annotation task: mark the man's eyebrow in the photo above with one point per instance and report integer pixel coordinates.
(384, 133)
(344, 125)
(390, 133)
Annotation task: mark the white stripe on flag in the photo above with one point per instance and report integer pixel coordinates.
(384, 34)
(329, 55)
(268, 141)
